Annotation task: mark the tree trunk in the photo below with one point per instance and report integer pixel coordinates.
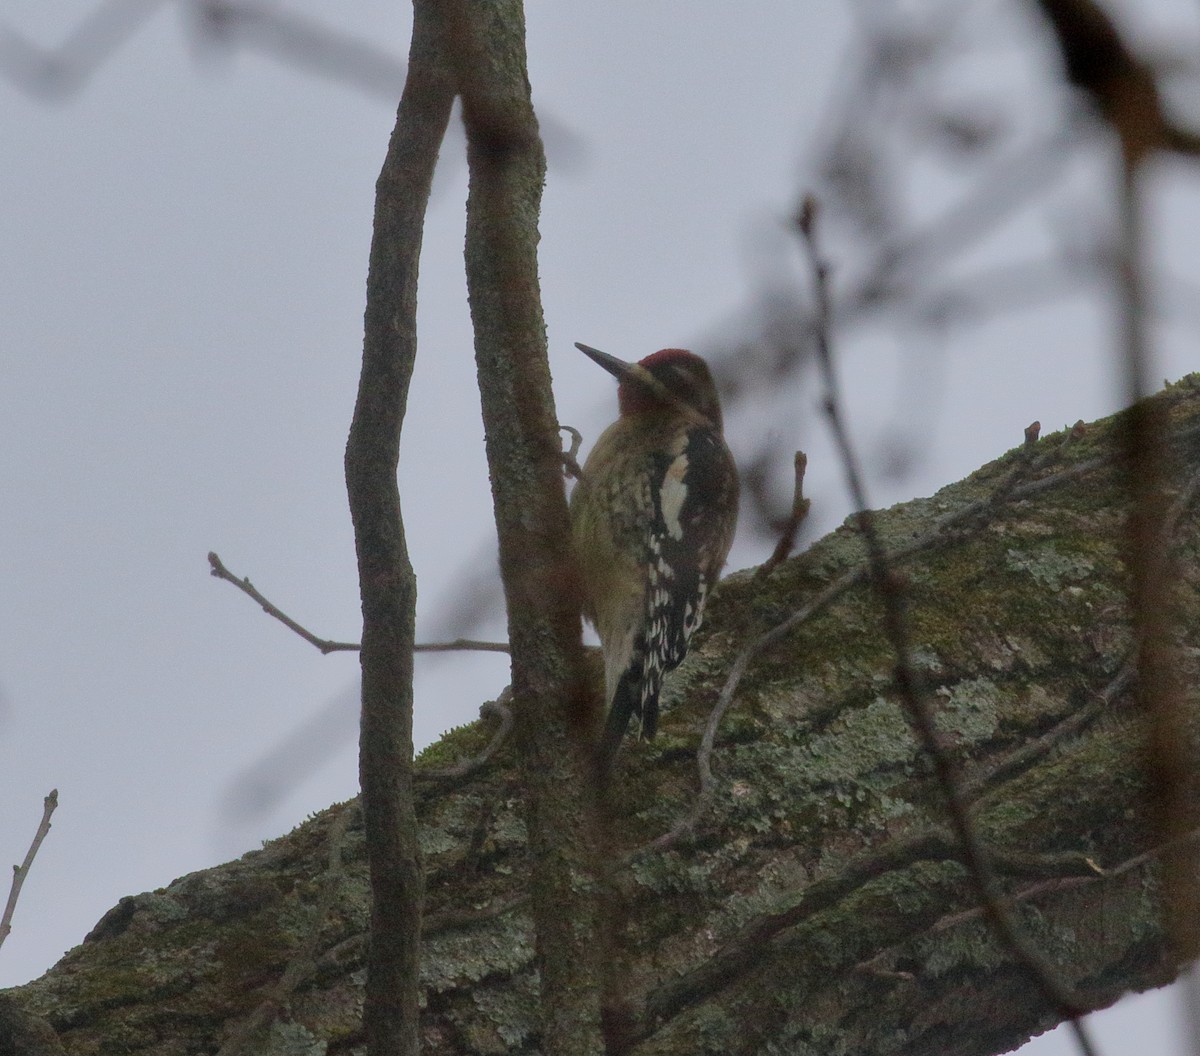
(819, 904)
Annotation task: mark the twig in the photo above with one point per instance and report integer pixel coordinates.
(1125, 91)
(787, 537)
(1022, 758)
(1170, 755)
(464, 645)
(327, 646)
(747, 948)
(246, 587)
(890, 591)
(466, 767)
(570, 456)
(63, 71)
(1078, 720)
(303, 43)
(57, 73)
(1052, 885)
(21, 871)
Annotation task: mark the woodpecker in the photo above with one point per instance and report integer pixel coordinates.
(652, 518)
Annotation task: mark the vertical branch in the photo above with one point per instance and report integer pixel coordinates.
(1124, 90)
(889, 587)
(556, 710)
(1170, 758)
(386, 581)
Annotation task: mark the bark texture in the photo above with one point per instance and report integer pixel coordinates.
(556, 712)
(387, 583)
(819, 905)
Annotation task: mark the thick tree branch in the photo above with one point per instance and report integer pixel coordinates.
(820, 900)
(246, 1037)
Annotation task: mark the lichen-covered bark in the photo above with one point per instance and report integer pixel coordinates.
(387, 583)
(555, 709)
(820, 906)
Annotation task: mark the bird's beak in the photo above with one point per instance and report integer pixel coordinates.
(618, 368)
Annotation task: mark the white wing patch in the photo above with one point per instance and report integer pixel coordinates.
(672, 495)
(693, 612)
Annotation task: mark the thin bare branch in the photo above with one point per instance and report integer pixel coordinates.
(1124, 90)
(65, 70)
(20, 872)
(302, 43)
(326, 645)
(1022, 758)
(462, 645)
(61, 72)
(243, 584)
(787, 536)
(1055, 885)
(1171, 756)
(1050, 886)
(889, 589)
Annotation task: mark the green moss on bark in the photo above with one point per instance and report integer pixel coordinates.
(1020, 626)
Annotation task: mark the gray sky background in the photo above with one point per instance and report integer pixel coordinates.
(181, 293)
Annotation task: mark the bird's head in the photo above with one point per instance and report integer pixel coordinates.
(670, 379)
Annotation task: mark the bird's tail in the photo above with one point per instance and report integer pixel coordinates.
(635, 697)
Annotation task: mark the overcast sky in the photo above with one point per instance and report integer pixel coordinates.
(184, 245)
